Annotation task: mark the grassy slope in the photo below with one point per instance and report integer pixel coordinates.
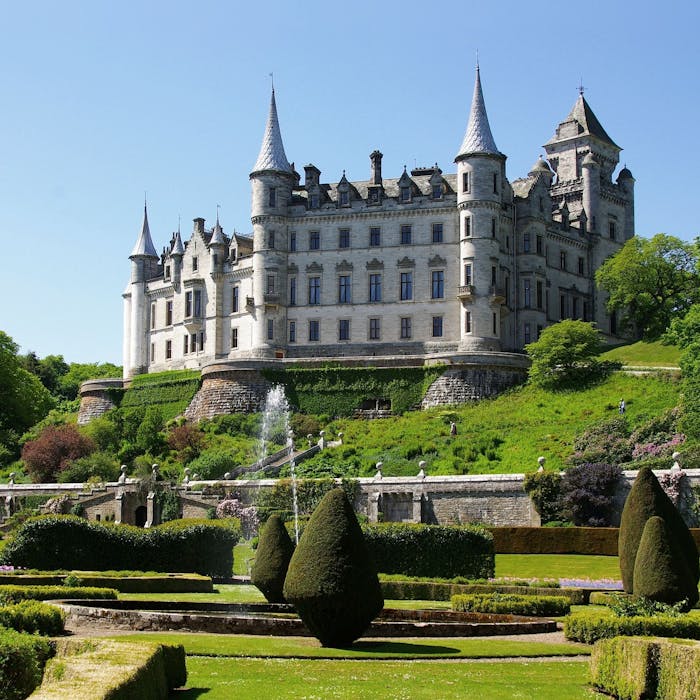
(557, 566)
(643, 354)
(503, 435)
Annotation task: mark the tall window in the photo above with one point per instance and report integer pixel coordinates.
(271, 239)
(375, 329)
(562, 259)
(344, 238)
(526, 242)
(468, 322)
(527, 337)
(153, 352)
(495, 183)
(437, 326)
(581, 266)
(292, 241)
(270, 284)
(540, 245)
(195, 264)
(405, 327)
(465, 182)
(539, 294)
(186, 344)
(314, 290)
(375, 236)
(235, 299)
(314, 330)
(272, 197)
(188, 304)
(574, 307)
(527, 297)
(405, 234)
(292, 291)
(494, 322)
(375, 287)
(467, 226)
(314, 240)
(493, 275)
(234, 338)
(168, 349)
(437, 284)
(168, 313)
(313, 202)
(612, 230)
(468, 279)
(437, 233)
(193, 342)
(562, 307)
(197, 305)
(344, 329)
(493, 228)
(153, 315)
(344, 289)
(406, 286)
(292, 331)
(270, 329)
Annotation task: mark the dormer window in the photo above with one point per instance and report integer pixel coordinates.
(437, 191)
(405, 194)
(344, 198)
(166, 275)
(374, 195)
(313, 201)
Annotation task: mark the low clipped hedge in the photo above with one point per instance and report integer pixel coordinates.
(431, 550)
(511, 604)
(555, 540)
(588, 626)
(124, 582)
(632, 667)
(14, 594)
(433, 590)
(127, 670)
(56, 541)
(22, 660)
(34, 617)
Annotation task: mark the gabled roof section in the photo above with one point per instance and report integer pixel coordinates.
(588, 125)
(272, 155)
(144, 245)
(478, 138)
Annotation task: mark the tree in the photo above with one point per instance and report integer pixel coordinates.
(331, 579)
(272, 559)
(565, 352)
(69, 383)
(651, 282)
(54, 450)
(588, 494)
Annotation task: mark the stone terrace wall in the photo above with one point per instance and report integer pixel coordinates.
(458, 386)
(96, 398)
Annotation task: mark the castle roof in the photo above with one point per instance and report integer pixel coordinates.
(587, 123)
(272, 155)
(478, 137)
(217, 235)
(144, 245)
(178, 248)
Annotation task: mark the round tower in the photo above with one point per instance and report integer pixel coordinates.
(625, 181)
(144, 263)
(591, 191)
(272, 180)
(480, 187)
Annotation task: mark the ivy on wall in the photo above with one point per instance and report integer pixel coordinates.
(172, 391)
(338, 391)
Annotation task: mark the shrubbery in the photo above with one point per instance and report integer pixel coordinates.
(53, 450)
(51, 542)
(544, 488)
(555, 540)
(512, 604)
(588, 494)
(14, 594)
(22, 660)
(272, 558)
(431, 550)
(33, 617)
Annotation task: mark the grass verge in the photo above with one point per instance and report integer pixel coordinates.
(580, 566)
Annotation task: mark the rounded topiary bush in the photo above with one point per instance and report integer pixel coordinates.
(660, 571)
(272, 558)
(332, 581)
(646, 499)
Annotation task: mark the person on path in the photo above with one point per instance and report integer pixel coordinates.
(622, 407)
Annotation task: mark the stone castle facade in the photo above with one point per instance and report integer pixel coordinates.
(429, 264)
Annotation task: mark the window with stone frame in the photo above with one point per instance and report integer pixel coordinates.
(466, 182)
(272, 197)
(292, 291)
(406, 288)
(168, 349)
(270, 329)
(540, 295)
(540, 245)
(344, 289)
(437, 326)
(405, 327)
(406, 234)
(437, 232)
(527, 293)
(581, 266)
(375, 329)
(375, 287)
(344, 329)
(235, 299)
(195, 264)
(314, 240)
(526, 242)
(169, 312)
(153, 315)
(437, 191)
(292, 241)
(562, 259)
(344, 238)
(437, 284)
(375, 236)
(314, 290)
(314, 330)
(234, 338)
(468, 279)
(467, 321)
(270, 284)
(292, 331)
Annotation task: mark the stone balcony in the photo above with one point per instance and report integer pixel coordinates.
(497, 294)
(466, 292)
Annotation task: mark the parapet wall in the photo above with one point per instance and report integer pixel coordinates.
(97, 396)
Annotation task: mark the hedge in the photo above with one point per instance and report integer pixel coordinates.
(431, 590)
(104, 668)
(338, 391)
(431, 550)
(33, 617)
(632, 667)
(22, 660)
(589, 626)
(555, 540)
(131, 583)
(55, 541)
(14, 594)
(510, 604)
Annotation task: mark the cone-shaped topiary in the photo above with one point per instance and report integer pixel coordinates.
(660, 572)
(645, 500)
(272, 558)
(331, 579)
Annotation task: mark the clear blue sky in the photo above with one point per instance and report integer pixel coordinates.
(105, 100)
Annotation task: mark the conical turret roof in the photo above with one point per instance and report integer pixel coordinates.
(144, 244)
(588, 124)
(178, 248)
(478, 138)
(217, 235)
(272, 155)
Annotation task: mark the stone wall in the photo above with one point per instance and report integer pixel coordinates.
(458, 386)
(224, 392)
(97, 397)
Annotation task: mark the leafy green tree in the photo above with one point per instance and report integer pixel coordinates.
(272, 558)
(149, 437)
(565, 352)
(69, 383)
(651, 282)
(23, 398)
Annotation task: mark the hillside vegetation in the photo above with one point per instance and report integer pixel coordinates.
(645, 354)
(503, 435)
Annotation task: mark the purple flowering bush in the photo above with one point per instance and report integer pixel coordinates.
(248, 515)
(587, 493)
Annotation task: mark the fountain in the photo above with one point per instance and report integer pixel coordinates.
(275, 428)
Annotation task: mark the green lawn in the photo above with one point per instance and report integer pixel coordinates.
(223, 679)
(222, 594)
(643, 354)
(243, 554)
(557, 566)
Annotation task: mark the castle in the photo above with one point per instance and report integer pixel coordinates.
(429, 264)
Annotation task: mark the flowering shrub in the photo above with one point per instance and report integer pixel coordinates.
(59, 505)
(671, 484)
(658, 448)
(248, 515)
(588, 492)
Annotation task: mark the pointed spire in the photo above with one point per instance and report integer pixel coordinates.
(478, 138)
(144, 244)
(178, 248)
(272, 155)
(217, 236)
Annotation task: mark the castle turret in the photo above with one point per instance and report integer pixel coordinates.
(144, 265)
(272, 181)
(176, 253)
(480, 188)
(625, 181)
(591, 191)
